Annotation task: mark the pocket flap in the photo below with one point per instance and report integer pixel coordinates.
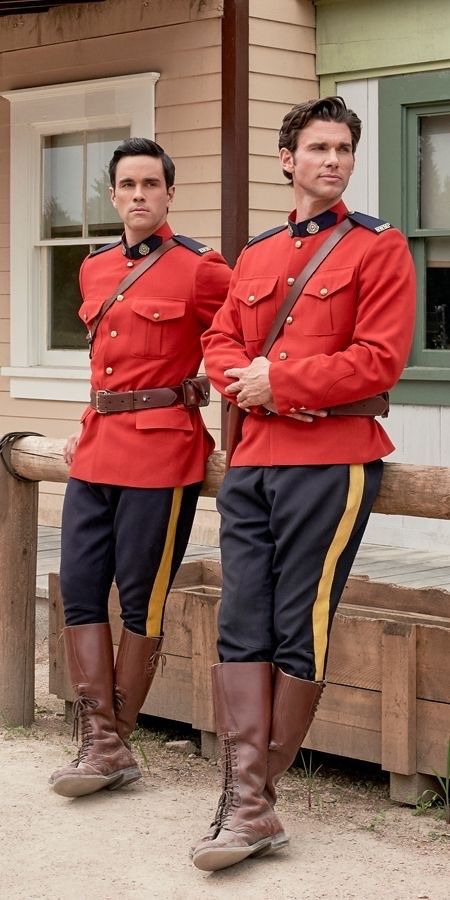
(252, 290)
(158, 309)
(322, 284)
(176, 419)
(89, 309)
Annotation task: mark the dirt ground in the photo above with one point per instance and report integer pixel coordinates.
(353, 844)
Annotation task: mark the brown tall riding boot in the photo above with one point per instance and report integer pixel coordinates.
(103, 761)
(245, 823)
(295, 701)
(136, 663)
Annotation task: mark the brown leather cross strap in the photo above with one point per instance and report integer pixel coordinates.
(125, 284)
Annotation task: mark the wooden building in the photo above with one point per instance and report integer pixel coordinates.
(210, 81)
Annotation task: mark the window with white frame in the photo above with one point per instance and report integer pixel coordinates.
(62, 138)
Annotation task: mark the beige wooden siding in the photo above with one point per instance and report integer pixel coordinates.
(181, 40)
(282, 73)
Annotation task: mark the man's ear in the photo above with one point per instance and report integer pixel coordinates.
(170, 194)
(286, 159)
(112, 196)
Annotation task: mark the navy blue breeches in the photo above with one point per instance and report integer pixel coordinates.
(289, 535)
(137, 535)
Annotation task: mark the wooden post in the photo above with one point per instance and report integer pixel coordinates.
(398, 698)
(18, 551)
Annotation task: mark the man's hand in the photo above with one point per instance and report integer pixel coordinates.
(70, 446)
(252, 386)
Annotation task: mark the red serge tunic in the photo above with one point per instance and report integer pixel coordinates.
(150, 338)
(347, 338)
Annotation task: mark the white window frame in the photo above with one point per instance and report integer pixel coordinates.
(35, 112)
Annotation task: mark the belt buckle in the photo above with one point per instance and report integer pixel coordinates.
(98, 394)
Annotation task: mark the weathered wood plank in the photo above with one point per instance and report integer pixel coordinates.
(204, 655)
(398, 698)
(405, 490)
(377, 595)
(433, 664)
(347, 723)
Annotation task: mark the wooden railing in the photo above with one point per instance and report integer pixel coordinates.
(405, 490)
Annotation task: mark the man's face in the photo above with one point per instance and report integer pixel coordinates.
(322, 163)
(140, 196)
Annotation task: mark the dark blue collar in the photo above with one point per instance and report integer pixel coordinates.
(137, 251)
(312, 226)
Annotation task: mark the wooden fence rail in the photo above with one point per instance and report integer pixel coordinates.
(405, 490)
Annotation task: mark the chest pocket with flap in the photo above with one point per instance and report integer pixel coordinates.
(157, 326)
(328, 304)
(257, 302)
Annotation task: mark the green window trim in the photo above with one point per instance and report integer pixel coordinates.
(403, 100)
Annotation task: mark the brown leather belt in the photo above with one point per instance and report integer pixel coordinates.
(191, 392)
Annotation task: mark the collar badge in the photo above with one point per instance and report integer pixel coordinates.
(144, 249)
(312, 227)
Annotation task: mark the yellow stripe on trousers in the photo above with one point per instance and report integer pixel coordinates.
(160, 585)
(321, 608)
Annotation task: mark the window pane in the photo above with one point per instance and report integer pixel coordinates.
(66, 331)
(102, 218)
(63, 185)
(438, 294)
(435, 171)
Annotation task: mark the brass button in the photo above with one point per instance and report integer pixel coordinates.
(298, 244)
(114, 334)
(108, 370)
(291, 280)
(130, 265)
(323, 292)
(119, 297)
(283, 355)
(251, 298)
(289, 320)
(156, 315)
(292, 409)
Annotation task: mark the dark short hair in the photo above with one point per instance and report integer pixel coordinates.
(328, 109)
(142, 147)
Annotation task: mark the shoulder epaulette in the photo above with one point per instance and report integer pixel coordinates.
(266, 234)
(188, 242)
(104, 248)
(370, 222)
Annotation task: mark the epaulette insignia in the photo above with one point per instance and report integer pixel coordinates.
(370, 222)
(188, 242)
(266, 234)
(104, 248)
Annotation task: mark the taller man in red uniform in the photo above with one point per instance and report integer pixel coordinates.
(302, 482)
(137, 467)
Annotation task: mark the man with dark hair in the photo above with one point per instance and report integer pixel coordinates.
(317, 323)
(139, 461)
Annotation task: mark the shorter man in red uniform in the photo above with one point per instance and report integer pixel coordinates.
(302, 482)
(138, 464)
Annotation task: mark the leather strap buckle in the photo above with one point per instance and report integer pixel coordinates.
(98, 395)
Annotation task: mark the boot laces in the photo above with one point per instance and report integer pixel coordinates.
(153, 660)
(81, 709)
(230, 794)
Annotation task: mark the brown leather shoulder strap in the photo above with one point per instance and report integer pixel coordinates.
(126, 283)
(291, 297)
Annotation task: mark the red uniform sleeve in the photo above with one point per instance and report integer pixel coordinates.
(378, 352)
(211, 285)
